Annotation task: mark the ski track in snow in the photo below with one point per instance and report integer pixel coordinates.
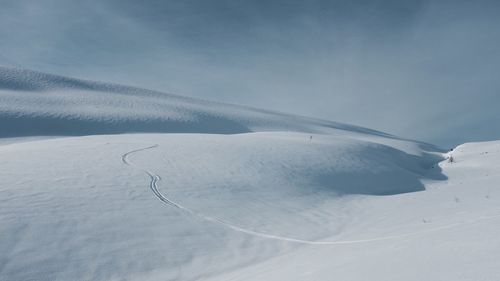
(154, 179)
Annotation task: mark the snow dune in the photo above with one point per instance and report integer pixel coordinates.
(187, 206)
(457, 238)
(210, 191)
(34, 103)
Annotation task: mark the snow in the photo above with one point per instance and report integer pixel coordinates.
(458, 239)
(211, 191)
(34, 104)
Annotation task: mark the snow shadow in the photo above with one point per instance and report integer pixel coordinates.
(385, 171)
(14, 126)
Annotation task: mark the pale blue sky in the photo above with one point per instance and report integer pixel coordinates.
(427, 70)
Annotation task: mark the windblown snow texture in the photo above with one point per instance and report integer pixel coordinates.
(224, 192)
(34, 103)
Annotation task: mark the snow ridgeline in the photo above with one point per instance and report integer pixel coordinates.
(34, 103)
(39, 104)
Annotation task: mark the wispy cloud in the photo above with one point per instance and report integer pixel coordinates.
(421, 69)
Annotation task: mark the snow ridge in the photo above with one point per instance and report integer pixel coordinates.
(34, 103)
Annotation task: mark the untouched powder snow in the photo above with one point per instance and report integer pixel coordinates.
(222, 192)
(34, 103)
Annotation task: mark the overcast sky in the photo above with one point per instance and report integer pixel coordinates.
(427, 70)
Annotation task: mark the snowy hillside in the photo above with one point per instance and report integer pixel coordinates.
(210, 191)
(454, 233)
(34, 103)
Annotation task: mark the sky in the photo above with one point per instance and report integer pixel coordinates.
(426, 70)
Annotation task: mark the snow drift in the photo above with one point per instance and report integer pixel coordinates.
(34, 103)
(190, 206)
(224, 192)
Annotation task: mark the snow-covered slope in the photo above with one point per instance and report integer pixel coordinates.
(223, 192)
(185, 206)
(34, 103)
(455, 234)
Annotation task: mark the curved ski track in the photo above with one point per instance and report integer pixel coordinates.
(153, 185)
